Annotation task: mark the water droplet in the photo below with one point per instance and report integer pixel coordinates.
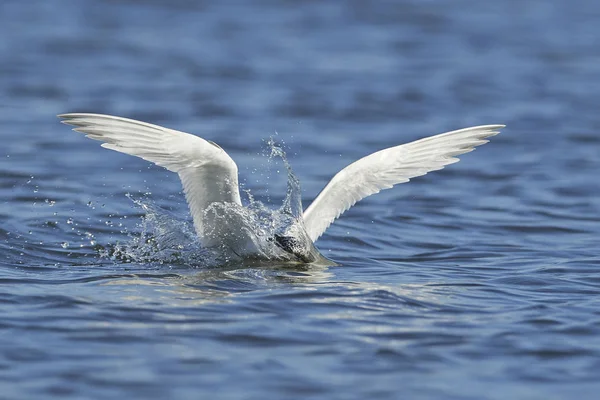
(64, 245)
(70, 221)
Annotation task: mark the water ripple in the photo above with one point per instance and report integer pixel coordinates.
(478, 281)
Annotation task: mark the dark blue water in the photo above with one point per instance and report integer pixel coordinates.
(478, 281)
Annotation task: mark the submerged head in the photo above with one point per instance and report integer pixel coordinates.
(295, 242)
(293, 246)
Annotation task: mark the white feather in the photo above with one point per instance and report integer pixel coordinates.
(210, 176)
(389, 167)
(207, 173)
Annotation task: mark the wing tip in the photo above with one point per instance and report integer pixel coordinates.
(486, 131)
(64, 117)
(69, 115)
(71, 118)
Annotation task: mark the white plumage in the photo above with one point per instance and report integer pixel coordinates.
(389, 167)
(207, 173)
(210, 176)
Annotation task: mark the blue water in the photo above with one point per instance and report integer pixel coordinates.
(478, 281)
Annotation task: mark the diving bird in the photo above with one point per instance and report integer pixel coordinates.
(210, 180)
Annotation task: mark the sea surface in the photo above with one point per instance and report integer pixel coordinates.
(480, 281)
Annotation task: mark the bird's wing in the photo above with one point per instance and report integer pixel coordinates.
(389, 167)
(208, 174)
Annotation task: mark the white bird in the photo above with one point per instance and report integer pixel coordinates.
(210, 179)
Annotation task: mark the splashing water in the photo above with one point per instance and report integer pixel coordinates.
(254, 231)
(163, 238)
(292, 204)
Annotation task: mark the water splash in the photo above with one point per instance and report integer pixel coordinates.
(163, 237)
(254, 231)
(292, 204)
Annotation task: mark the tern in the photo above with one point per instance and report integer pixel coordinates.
(210, 180)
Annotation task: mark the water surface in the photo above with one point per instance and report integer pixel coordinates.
(478, 281)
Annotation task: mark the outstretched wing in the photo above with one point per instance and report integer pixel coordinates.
(389, 167)
(208, 174)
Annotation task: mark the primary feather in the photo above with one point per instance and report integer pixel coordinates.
(207, 173)
(389, 167)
